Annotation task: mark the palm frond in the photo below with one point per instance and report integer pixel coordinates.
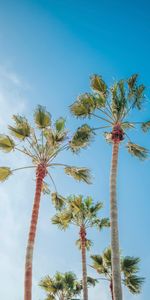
(107, 257)
(134, 283)
(42, 117)
(98, 264)
(132, 81)
(99, 86)
(127, 125)
(81, 138)
(60, 124)
(58, 200)
(5, 172)
(80, 174)
(129, 265)
(138, 151)
(45, 188)
(84, 105)
(146, 126)
(22, 129)
(62, 220)
(91, 281)
(104, 222)
(88, 244)
(6, 143)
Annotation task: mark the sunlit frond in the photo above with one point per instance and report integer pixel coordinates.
(80, 174)
(42, 117)
(138, 151)
(60, 124)
(62, 220)
(81, 138)
(132, 81)
(98, 264)
(22, 129)
(127, 125)
(134, 283)
(84, 105)
(146, 126)
(118, 100)
(129, 265)
(6, 143)
(45, 188)
(58, 200)
(99, 86)
(5, 172)
(88, 244)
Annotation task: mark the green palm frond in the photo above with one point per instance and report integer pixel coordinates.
(58, 200)
(60, 124)
(81, 138)
(118, 101)
(99, 86)
(132, 81)
(6, 143)
(22, 129)
(146, 126)
(138, 151)
(98, 264)
(107, 257)
(129, 265)
(127, 125)
(45, 188)
(42, 117)
(91, 281)
(5, 172)
(104, 222)
(88, 244)
(62, 220)
(80, 174)
(134, 283)
(84, 106)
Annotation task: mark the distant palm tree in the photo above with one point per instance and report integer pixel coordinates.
(42, 148)
(129, 269)
(63, 286)
(83, 213)
(113, 107)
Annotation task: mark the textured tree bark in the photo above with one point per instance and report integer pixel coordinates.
(84, 268)
(116, 273)
(111, 289)
(40, 174)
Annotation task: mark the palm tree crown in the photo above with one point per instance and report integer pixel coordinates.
(129, 269)
(111, 106)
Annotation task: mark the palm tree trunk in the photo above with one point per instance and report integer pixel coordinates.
(84, 269)
(40, 174)
(111, 289)
(116, 274)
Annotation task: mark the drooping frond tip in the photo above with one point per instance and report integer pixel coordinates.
(146, 126)
(58, 200)
(6, 143)
(138, 151)
(42, 117)
(81, 138)
(5, 172)
(80, 174)
(22, 129)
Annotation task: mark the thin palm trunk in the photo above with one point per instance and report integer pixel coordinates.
(84, 269)
(116, 276)
(40, 174)
(111, 289)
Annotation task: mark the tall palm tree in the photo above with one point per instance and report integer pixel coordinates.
(83, 213)
(42, 147)
(112, 108)
(129, 269)
(63, 286)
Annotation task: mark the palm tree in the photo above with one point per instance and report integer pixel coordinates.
(112, 107)
(129, 269)
(83, 213)
(63, 286)
(42, 148)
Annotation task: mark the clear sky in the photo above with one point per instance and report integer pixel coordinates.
(48, 50)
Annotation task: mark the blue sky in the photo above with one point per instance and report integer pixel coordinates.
(48, 50)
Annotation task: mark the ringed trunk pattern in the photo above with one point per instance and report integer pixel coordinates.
(116, 274)
(84, 269)
(40, 174)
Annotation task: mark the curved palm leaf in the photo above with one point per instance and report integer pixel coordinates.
(80, 174)
(138, 151)
(4, 173)
(58, 200)
(100, 87)
(129, 265)
(134, 283)
(84, 105)
(60, 124)
(146, 126)
(81, 138)
(22, 129)
(6, 143)
(42, 117)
